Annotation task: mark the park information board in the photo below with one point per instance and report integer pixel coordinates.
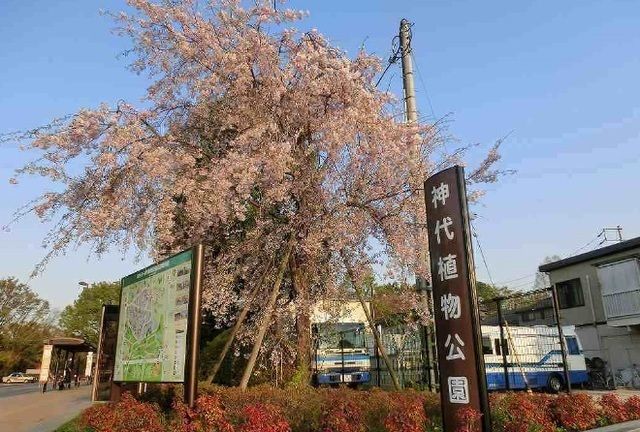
(152, 328)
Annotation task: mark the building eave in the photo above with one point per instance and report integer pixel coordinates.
(594, 254)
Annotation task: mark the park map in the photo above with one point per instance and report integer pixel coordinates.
(152, 328)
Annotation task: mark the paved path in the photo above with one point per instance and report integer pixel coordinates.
(631, 426)
(8, 390)
(38, 412)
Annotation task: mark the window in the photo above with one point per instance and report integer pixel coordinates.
(533, 315)
(570, 294)
(572, 345)
(340, 335)
(496, 344)
(486, 346)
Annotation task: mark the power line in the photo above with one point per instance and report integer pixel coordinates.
(528, 283)
(484, 260)
(589, 243)
(424, 87)
(518, 278)
(586, 245)
(395, 55)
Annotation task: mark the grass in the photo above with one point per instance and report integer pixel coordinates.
(70, 426)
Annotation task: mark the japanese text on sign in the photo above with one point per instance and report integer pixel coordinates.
(456, 315)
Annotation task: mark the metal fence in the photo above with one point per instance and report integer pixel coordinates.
(523, 344)
(405, 347)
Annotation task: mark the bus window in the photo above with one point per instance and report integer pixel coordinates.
(496, 344)
(486, 345)
(572, 345)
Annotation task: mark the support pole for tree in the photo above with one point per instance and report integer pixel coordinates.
(267, 316)
(374, 329)
(238, 325)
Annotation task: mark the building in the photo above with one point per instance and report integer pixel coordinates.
(520, 309)
(599, 293)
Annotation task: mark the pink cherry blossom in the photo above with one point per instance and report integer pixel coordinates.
(252, 132)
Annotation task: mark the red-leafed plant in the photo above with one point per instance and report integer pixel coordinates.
(633, 407)
(406, 413)
(469, 420)
(207, 416)
(127, 415)
(613, 409)
(575, 412)
(263, 418)
(342, 414)
(522, 412)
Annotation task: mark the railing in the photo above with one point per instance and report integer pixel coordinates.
(622, 304)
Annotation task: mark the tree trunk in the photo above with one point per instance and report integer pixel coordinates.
(238, 325)
(374, 329)
(266, 320)
(303, 322)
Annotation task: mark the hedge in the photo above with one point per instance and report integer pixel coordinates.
(303, 409)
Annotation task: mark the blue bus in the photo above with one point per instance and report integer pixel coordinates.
(340, 355)
(533, 356)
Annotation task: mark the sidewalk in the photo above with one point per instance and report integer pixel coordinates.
(630, 426)
(38, 412)
(623, 393)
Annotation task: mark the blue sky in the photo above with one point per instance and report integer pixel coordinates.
(561, 78)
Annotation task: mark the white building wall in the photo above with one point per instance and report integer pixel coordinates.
(618, 346)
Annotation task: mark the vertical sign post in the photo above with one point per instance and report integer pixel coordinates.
(462, 376)
(193, 328)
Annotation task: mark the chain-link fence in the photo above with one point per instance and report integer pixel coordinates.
(524, 346)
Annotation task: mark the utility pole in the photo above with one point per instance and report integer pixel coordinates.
(603, 234)
(411, 111)
(407, 72)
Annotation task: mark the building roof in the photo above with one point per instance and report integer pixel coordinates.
(594, 254)
(70, 344)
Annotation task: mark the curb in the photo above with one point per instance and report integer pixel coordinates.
(630, 426)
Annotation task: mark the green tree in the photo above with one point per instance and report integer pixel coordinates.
(488, 292)
(82, 318)
(25, 321)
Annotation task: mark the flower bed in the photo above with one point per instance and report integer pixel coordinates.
(302, 409)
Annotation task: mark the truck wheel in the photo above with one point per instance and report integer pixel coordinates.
(555, 384)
